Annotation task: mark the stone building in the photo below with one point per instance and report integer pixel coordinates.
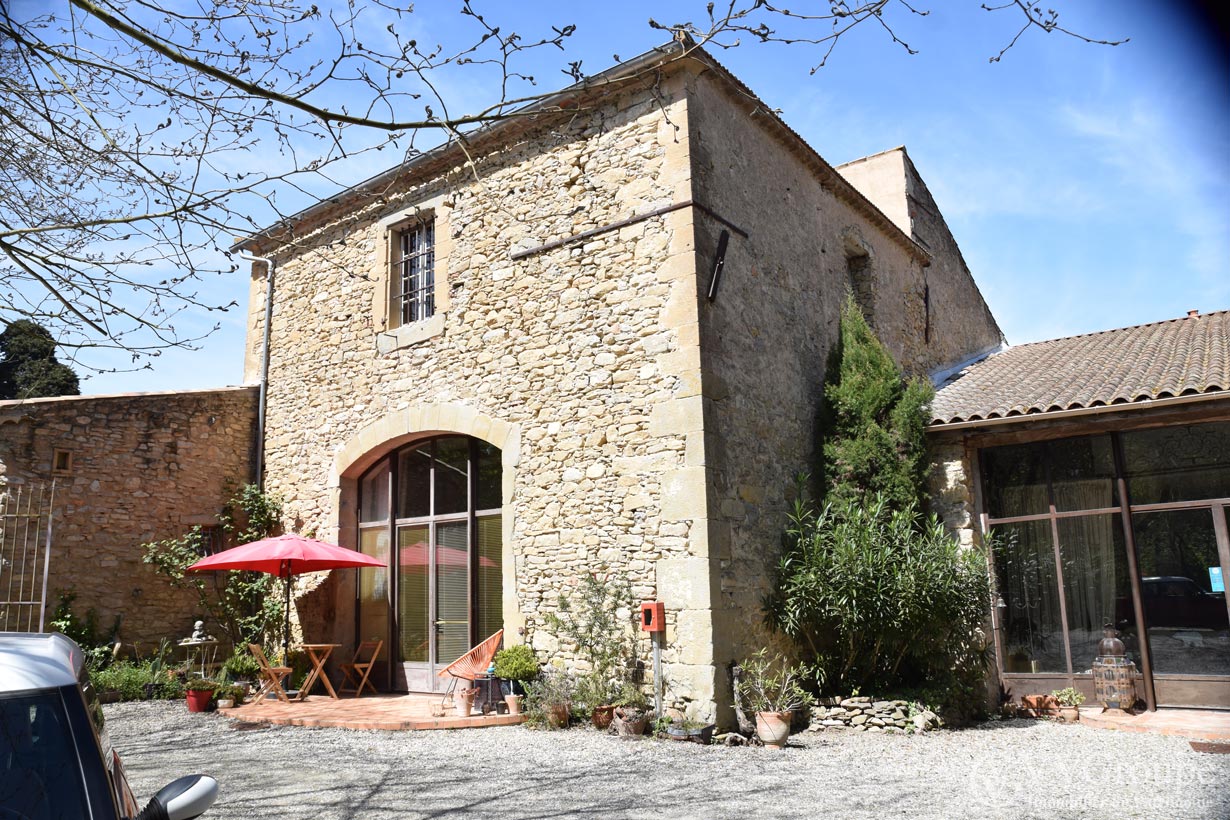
(590, 340)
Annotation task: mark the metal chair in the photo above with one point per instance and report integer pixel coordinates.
(473, 664)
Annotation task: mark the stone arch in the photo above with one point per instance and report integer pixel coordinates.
(376, 439)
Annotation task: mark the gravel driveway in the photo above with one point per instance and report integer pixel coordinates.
(1014, 769)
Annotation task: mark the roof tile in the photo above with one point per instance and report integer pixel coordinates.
(1177, 357)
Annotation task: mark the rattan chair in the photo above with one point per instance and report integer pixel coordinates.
(473, 664)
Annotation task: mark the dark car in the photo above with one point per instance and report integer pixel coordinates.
(1179, 602)
(56, 760)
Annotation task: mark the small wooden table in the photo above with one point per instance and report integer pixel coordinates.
(318, 654)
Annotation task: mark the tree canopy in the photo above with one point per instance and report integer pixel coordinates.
(141, 138)
(29, 368)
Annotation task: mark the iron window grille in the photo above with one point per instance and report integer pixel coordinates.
(414, 273)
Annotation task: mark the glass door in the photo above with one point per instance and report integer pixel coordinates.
(1182, 571)
(438, 502)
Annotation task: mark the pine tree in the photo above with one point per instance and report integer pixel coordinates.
(872, 421)
(29, 368)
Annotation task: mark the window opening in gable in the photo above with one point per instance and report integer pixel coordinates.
(414, 274)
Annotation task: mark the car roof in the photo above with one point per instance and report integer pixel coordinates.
(38, 661)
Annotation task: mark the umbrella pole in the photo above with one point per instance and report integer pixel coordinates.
(286, 630)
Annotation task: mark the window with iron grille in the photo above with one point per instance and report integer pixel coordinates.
(413, 274)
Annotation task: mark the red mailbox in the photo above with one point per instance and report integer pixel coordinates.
(653, 616)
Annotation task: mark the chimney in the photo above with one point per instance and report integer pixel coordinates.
(1192, 314)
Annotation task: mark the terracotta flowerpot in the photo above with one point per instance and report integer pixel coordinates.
(773, 728)
(198, 699)
(514, 703)
(1070, 714)
(630, 722)
(602, 717)
(463, 702)
(558, 714)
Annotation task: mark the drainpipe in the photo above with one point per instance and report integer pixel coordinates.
(264, 388)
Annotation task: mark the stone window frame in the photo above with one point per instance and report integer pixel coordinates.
(61, 461)
(389, 230)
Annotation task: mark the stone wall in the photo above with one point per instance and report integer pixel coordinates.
(864, 714)
(957, 321)
(144, 467)
(766, 336)
(579, 362)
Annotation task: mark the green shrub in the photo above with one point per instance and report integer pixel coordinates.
(516, 663)
(247, 606)
(769, 684)
(554, 687)
(599, 623)
(241, 666)
(881, 599)
(872, 421)
(98, 647)
(137, 680)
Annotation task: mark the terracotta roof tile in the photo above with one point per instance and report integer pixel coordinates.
(1178, 357)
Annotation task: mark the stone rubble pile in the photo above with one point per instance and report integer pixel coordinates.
(864, 714)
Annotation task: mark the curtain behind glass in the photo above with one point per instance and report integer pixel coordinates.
(374, 586)
(1027, 583)
(452, 591)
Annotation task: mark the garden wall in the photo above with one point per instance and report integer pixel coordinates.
(140, 467)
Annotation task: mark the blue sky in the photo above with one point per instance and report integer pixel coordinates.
(1088, 186)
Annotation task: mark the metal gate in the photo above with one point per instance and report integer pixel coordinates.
(25, 556)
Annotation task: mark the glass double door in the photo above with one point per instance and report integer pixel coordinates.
(434, 598)
(1183, 559)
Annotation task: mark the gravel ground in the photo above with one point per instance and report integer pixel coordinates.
(1013, 769)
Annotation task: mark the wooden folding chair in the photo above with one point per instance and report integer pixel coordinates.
(473, 664)
(272, 677)
(357, 670)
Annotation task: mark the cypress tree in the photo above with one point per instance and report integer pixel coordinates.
(872, 421)
(29, 368)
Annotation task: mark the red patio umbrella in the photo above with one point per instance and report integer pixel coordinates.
(284, 556)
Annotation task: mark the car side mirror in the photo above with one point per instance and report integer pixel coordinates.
(182, 799)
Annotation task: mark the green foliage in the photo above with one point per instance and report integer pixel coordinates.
(99, 648)
(872, 420)
(631, 696)
(137, 680)
(1068, 697)
(600, 625)
(200, 685)
(769, 684)
(241, 665)
(553, 688)
(516, 663)
(881, 598)
(28, 365)
(245, 605)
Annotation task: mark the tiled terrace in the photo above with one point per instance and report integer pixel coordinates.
(391, 712)
(1202, 724)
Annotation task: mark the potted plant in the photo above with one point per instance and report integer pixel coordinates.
(599, 695)
(772, 690)
(548, 700)
(1069, 700)
(631, 713)
(515, 664)
(199, 692)
(690, 730)
(230, 696)
(241, 669)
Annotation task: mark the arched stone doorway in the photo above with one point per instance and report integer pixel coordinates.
(432, 510)
(378, 446)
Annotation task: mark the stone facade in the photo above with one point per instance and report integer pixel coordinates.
(143, 468)
(644, 429)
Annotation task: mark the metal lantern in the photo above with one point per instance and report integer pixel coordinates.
(1114, 675)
